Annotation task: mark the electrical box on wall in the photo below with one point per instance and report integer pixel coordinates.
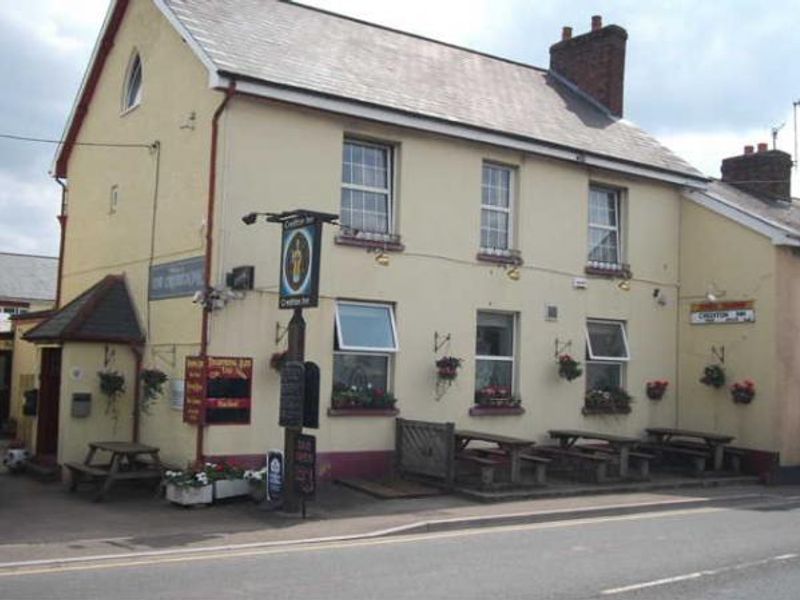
(241, 278)
(81, 405)
(550, 312)
(580, 283)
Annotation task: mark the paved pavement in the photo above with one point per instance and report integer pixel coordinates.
(747, 549)
(41, 521)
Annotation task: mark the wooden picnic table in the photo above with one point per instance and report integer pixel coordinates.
(511, 445)
(714, 441)
(621, 444)
(128, 461)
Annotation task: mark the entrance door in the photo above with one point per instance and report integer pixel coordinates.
(47, 413)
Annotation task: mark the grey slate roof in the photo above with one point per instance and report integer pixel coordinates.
(301, 47)
(27, 277)
(104, 312)
(782, 214)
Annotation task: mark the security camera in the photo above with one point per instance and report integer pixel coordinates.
(198, 297)
(250, 218)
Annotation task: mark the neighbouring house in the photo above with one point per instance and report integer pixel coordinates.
(27, 284)
(490, 211)
(739, 294)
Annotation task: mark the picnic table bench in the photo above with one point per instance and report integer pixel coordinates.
(712, 443)
(620, 446)
(510, 447)
(128, 461)
(595, 463)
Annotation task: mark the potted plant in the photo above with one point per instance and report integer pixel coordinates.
(227, 479)
(257, 480)
(496, 396)
(188, 487)
(568, 367)
(743, 392)
(447, 368)
(713, 376)
(112, 386)
(612, 400)
(277, 360)
(368, 396)
(152, 386)
(15, 456)
(656, 389)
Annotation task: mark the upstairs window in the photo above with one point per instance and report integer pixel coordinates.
(496, 208)
(604, 228)
(132, 94)
(366, 187)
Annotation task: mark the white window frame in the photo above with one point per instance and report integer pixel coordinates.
(343, 348)
(590, 350)
(127, 106)
(513, 358)
(508, 211)
(389, 190)
(618, 228)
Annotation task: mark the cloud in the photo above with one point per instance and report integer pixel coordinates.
(28, 212)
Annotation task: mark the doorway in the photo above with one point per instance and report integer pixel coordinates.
(47, 411)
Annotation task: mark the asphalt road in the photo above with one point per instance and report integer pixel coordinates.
(707, 553)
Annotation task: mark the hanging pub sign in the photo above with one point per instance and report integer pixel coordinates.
(709, 313)
(218, 390)
(300, 251)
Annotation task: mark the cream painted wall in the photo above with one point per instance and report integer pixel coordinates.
(175, 86)
(24, 376)
(787, 330)
(716, 251)
(278, 158)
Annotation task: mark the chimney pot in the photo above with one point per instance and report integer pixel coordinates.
(566, 33)
(597, 22)
(748, 149)
(762, 147)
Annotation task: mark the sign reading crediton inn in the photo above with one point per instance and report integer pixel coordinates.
(299, 283)
(176, 279)
(709, 313)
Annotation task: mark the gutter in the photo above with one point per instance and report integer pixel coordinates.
(62, 220)
(212, 184)
(137, 412)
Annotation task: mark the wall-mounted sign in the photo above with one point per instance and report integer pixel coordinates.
(293, 382)
(176, 279)
(709, 313)
(300, 249)
(274, 475)
(218, 390)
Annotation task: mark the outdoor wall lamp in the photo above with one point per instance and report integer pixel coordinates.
(513, 273)
(382, 258)
(624, 285)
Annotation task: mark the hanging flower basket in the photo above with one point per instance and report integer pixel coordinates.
(713, 376)
(447, 367)
(568, 367)
(656, 389)
(152, 387)
(743, 392)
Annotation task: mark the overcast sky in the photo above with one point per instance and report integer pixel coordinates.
(704, 77)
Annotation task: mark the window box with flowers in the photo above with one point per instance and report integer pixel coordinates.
(609, 401)
(743, 392)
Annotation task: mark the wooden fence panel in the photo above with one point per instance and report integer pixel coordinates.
(425, 448)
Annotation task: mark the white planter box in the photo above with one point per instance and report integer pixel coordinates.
(230, 488)
(187, 496)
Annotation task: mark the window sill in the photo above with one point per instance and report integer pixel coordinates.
(363, 412)
(365, 239)
(622, 271)
(130, 109)
(495, 411)
(500, 257)
(590, 411)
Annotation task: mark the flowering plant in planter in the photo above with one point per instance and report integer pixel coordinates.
(187, 478)
(345, 396)
(222, 470)
(743, 392)
(277, 359)
(568, 367)
(499, 396)
(257, 480)
(714, 376)
(447, 367)
(614, 400)
(656, 389)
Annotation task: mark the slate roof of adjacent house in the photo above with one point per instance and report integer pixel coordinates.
(104, 312)
(779, 219)
(308, 49)
(27, 277)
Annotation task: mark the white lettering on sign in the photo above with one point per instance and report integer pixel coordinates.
(723, 316)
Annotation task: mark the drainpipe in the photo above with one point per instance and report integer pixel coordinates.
(212, 184)
(137, 384)
(62, 220)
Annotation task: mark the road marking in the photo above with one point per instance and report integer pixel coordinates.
(697, 574)
(249, 550)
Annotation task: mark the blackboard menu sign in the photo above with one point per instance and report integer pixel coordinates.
(305, 465)
(218, 390)
(293, 383)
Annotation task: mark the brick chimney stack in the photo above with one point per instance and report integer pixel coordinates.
(595, 62)
(766, 173)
